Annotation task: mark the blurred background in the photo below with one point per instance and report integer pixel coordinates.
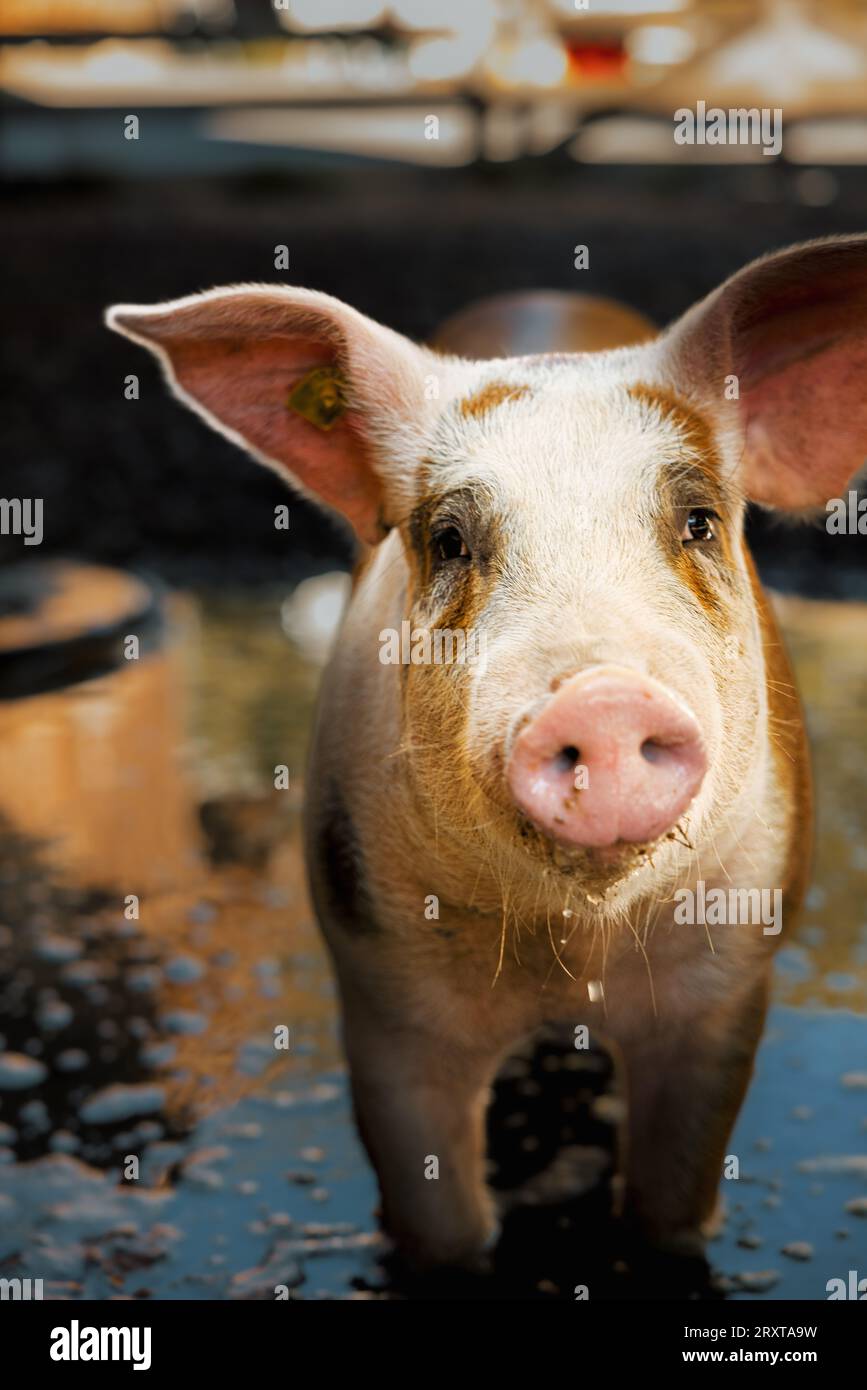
(304, 125)
(410, 157)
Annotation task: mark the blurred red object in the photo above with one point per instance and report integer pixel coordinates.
(596, 60)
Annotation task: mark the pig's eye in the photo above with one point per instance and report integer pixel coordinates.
(449, 544)
(699, 526)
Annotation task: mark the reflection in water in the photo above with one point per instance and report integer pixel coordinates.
(102, 798)
(127, 1035)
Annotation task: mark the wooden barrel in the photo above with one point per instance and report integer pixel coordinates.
(531, 321)
(91, 726)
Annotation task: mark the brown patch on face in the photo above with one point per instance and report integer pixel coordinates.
(690, 574)
(693, 429)
(698, 482)
(490, 396)
(445, 596)
(456, 593)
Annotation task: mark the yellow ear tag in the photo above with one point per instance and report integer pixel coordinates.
(319, 397)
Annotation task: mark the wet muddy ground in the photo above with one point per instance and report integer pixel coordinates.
(155, 1144)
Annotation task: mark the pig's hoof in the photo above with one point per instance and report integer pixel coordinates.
(469, 1256)
(677, 1241)
(685, 1243)
(433, 1277)
(669, 1267)
(682, 1245)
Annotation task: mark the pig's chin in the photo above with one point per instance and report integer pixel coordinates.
(596, 872)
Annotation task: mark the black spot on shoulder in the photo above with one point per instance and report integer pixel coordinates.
(341, 865)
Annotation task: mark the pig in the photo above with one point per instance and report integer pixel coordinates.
(498, 845)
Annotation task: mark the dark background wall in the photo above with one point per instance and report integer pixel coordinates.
(144, 483)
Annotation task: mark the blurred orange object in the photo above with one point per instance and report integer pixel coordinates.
(86, 16)
(90, 731)
(596, 61)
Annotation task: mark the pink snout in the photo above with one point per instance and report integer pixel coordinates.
(611, 757)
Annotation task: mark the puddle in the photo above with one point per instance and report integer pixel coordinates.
(154, 1142)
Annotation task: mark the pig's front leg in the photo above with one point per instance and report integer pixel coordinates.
(420, 1103)
(685, 1082)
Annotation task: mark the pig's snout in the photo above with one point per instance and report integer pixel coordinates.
(611, 756)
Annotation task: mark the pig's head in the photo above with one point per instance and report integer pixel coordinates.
(578, 518)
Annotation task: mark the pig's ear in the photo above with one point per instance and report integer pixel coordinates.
(792, 328)
(331, 400)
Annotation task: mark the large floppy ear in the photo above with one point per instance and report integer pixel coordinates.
(331, 400)
(792, 329)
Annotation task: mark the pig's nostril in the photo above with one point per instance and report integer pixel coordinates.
(654, 752)
(567, 758)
